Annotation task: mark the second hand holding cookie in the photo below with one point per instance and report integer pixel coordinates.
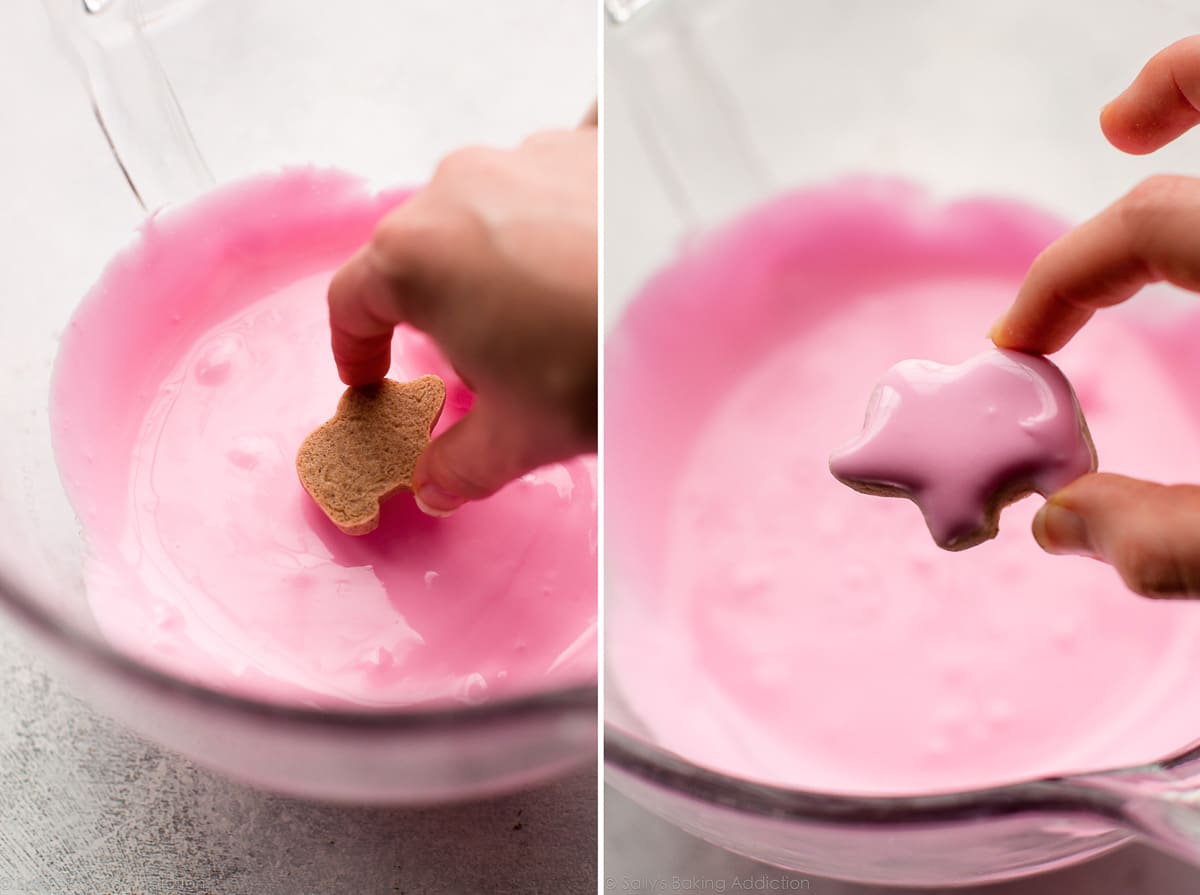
(1149, 532)
(495, 260)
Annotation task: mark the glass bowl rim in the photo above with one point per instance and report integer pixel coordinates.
(24, 608)
(1064, 794)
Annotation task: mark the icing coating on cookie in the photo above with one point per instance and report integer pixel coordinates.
(964, 441)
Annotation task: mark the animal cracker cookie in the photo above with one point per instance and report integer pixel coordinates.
(963, 442)
(367, 451)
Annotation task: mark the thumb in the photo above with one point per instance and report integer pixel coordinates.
(473, 459)
(1150, 533)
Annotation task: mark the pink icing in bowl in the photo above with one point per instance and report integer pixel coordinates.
(860, 703)
(421, 663)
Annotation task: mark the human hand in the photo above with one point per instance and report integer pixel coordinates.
(1150, 533)
(496, 261)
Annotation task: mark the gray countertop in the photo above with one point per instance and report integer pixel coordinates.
(90, 809)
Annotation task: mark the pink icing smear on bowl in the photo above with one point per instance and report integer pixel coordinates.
(820, 637)
(185, 383)
(961, 440)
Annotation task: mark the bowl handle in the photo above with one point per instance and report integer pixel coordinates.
(132, 97)
(1159, 803)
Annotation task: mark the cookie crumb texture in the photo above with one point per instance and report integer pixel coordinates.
(367, 452)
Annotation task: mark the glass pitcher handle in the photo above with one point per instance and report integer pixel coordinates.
(685, 115)
(1160, 803)
(623, 10)
(132, 98)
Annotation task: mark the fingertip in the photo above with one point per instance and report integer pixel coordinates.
(1060, 530)
(592, 117)
(1110, 124)
(428, 503)
(432, 496)
(360, 322)
(1140, 528)
(1161, 104)
(1034, 336)
(360, 372)
(471, 460)
(1128, 132)
(1003, 335)
(996, 331)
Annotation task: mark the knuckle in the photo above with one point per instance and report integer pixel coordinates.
(393, 231)
(1042, 264)
(1147, 210)
(465, 483)
(1154, 567)
(1148, 579)
(406, 254)
(1183, 48)
(465, 162)
(1151, 198)
(340, 288)
(573, 389)
(541, 140)
(402, 236)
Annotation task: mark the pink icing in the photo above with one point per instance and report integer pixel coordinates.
(956, 439)
(765, 620)
(185, 383)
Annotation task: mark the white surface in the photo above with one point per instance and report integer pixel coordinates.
(963, 96)
(88, 808)
(643, 227)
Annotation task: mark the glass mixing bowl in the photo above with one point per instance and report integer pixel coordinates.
(193, 93)
(713, 105)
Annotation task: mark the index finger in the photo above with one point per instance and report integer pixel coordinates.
(388, 282)
(1162, 103)
(363, 312)
(1151, 234)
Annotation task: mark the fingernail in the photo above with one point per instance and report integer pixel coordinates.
(996, 328)
(435, 501)
(1059, 530)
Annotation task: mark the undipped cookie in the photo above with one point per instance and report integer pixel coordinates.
(963, 442)
(367, 451)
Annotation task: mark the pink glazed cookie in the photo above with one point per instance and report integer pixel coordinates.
(962, 442)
